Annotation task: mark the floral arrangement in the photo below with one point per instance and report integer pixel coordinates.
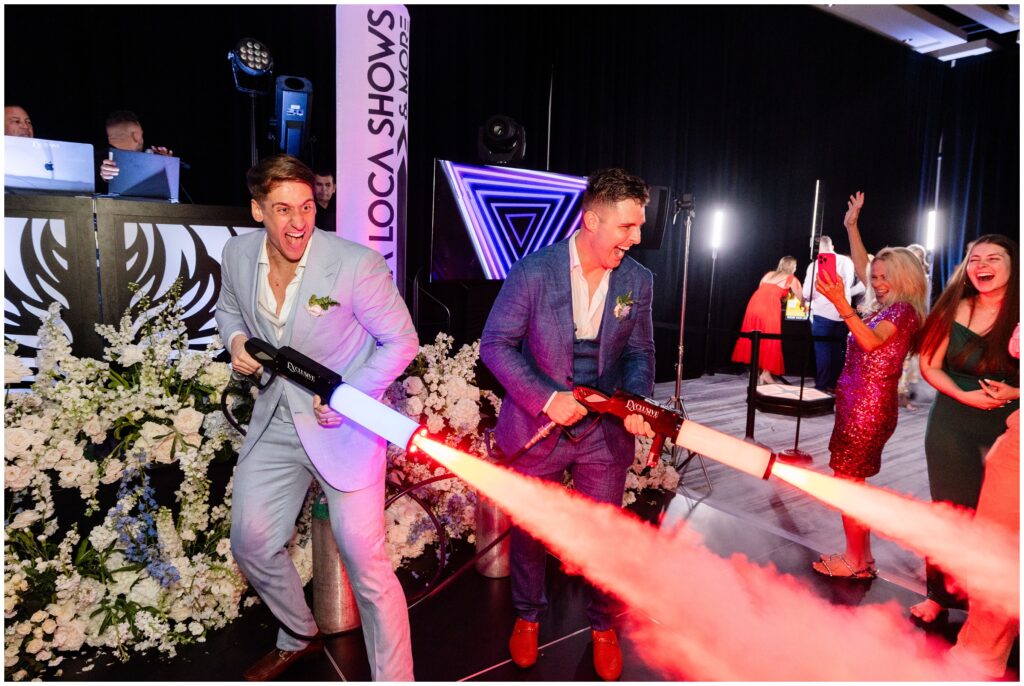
(148, 575)
(439, 391)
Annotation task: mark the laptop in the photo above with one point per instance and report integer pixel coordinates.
(38, 164)
(145, 175)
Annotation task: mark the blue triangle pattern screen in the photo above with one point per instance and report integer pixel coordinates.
(488, 218)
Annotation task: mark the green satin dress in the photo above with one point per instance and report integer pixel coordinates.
(958, 437)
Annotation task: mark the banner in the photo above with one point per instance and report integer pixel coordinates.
(372, 112)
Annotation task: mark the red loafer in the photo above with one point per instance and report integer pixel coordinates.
(607, 655)
(523, 643)
(274, 663)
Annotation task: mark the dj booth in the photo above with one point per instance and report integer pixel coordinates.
(83, 252)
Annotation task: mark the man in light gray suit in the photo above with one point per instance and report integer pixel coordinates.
(334, 301)
(577, 313)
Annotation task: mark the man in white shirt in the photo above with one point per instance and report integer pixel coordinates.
(577, 313)
(334, 301)
(829, 356)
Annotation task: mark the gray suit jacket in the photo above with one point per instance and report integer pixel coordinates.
(368, 338)
(528, 344)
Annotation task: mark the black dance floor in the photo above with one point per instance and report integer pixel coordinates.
(462, 633)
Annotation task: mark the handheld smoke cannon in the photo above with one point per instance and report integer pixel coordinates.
(341, 397)
(668, 423)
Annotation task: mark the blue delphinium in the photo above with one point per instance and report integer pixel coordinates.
(137, 532)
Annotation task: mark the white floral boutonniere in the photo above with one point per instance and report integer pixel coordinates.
(623, 305)
(318, 305)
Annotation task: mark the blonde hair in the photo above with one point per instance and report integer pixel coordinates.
(787, 265)
(906, 278)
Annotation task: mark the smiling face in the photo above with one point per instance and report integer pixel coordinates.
(880, 282)
(288, 212)
(609, 231)
(989, 268)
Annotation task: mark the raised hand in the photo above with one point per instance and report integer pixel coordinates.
(853, 206)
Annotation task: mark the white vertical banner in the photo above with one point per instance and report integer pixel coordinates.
(372, 112)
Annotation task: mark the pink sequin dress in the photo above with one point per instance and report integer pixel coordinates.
(866, 395)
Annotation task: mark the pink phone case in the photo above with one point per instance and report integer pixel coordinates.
(827, 264)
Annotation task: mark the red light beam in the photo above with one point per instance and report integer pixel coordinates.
(713, 618)
(982, 556)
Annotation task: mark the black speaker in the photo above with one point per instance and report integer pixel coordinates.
(659, 209)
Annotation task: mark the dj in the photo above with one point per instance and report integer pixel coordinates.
(124, 132)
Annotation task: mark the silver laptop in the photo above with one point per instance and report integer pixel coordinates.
(41, 165)
(145, 175)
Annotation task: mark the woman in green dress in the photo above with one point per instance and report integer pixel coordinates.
(964, 356)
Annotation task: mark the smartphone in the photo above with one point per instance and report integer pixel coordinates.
(827, 264)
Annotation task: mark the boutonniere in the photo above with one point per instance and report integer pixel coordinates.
(318, 305)
(623, 305)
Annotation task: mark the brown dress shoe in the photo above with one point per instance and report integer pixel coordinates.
(523, 643)
(273, 664)
(607, 655)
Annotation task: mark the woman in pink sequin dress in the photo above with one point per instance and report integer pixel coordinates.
(866, 394)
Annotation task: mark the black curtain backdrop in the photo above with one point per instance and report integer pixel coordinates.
(743, 106)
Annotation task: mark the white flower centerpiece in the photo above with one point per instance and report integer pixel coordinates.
(149, 575)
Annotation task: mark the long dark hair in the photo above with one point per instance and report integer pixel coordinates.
(994, 344)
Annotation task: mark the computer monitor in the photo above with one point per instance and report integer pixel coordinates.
(145, 175)
(37, 164)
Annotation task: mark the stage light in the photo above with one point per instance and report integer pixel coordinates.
(252, 57)
(929, 236)
(717, 229)
(501, 140)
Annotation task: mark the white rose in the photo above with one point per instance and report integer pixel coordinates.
(413, 385)
(33, 422)
(435, 423)
(131, 354)
(48, 626)
(14, 370)
(38, 616)
(146, 592)
(70, 636)
(23, 520)
(17, 441)
(17, 476)
(112, 472)
(315, 310)
(95, 429)
(34, 646)
(188, 421)
(412, 406)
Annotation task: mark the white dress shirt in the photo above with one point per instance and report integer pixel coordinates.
(822, 306)
(587, 310)
(266, 301)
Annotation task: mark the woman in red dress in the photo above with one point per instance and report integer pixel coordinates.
(764, 314)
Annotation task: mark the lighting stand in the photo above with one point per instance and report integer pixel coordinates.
(794, 455)
(711, 295)
(677, 400)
